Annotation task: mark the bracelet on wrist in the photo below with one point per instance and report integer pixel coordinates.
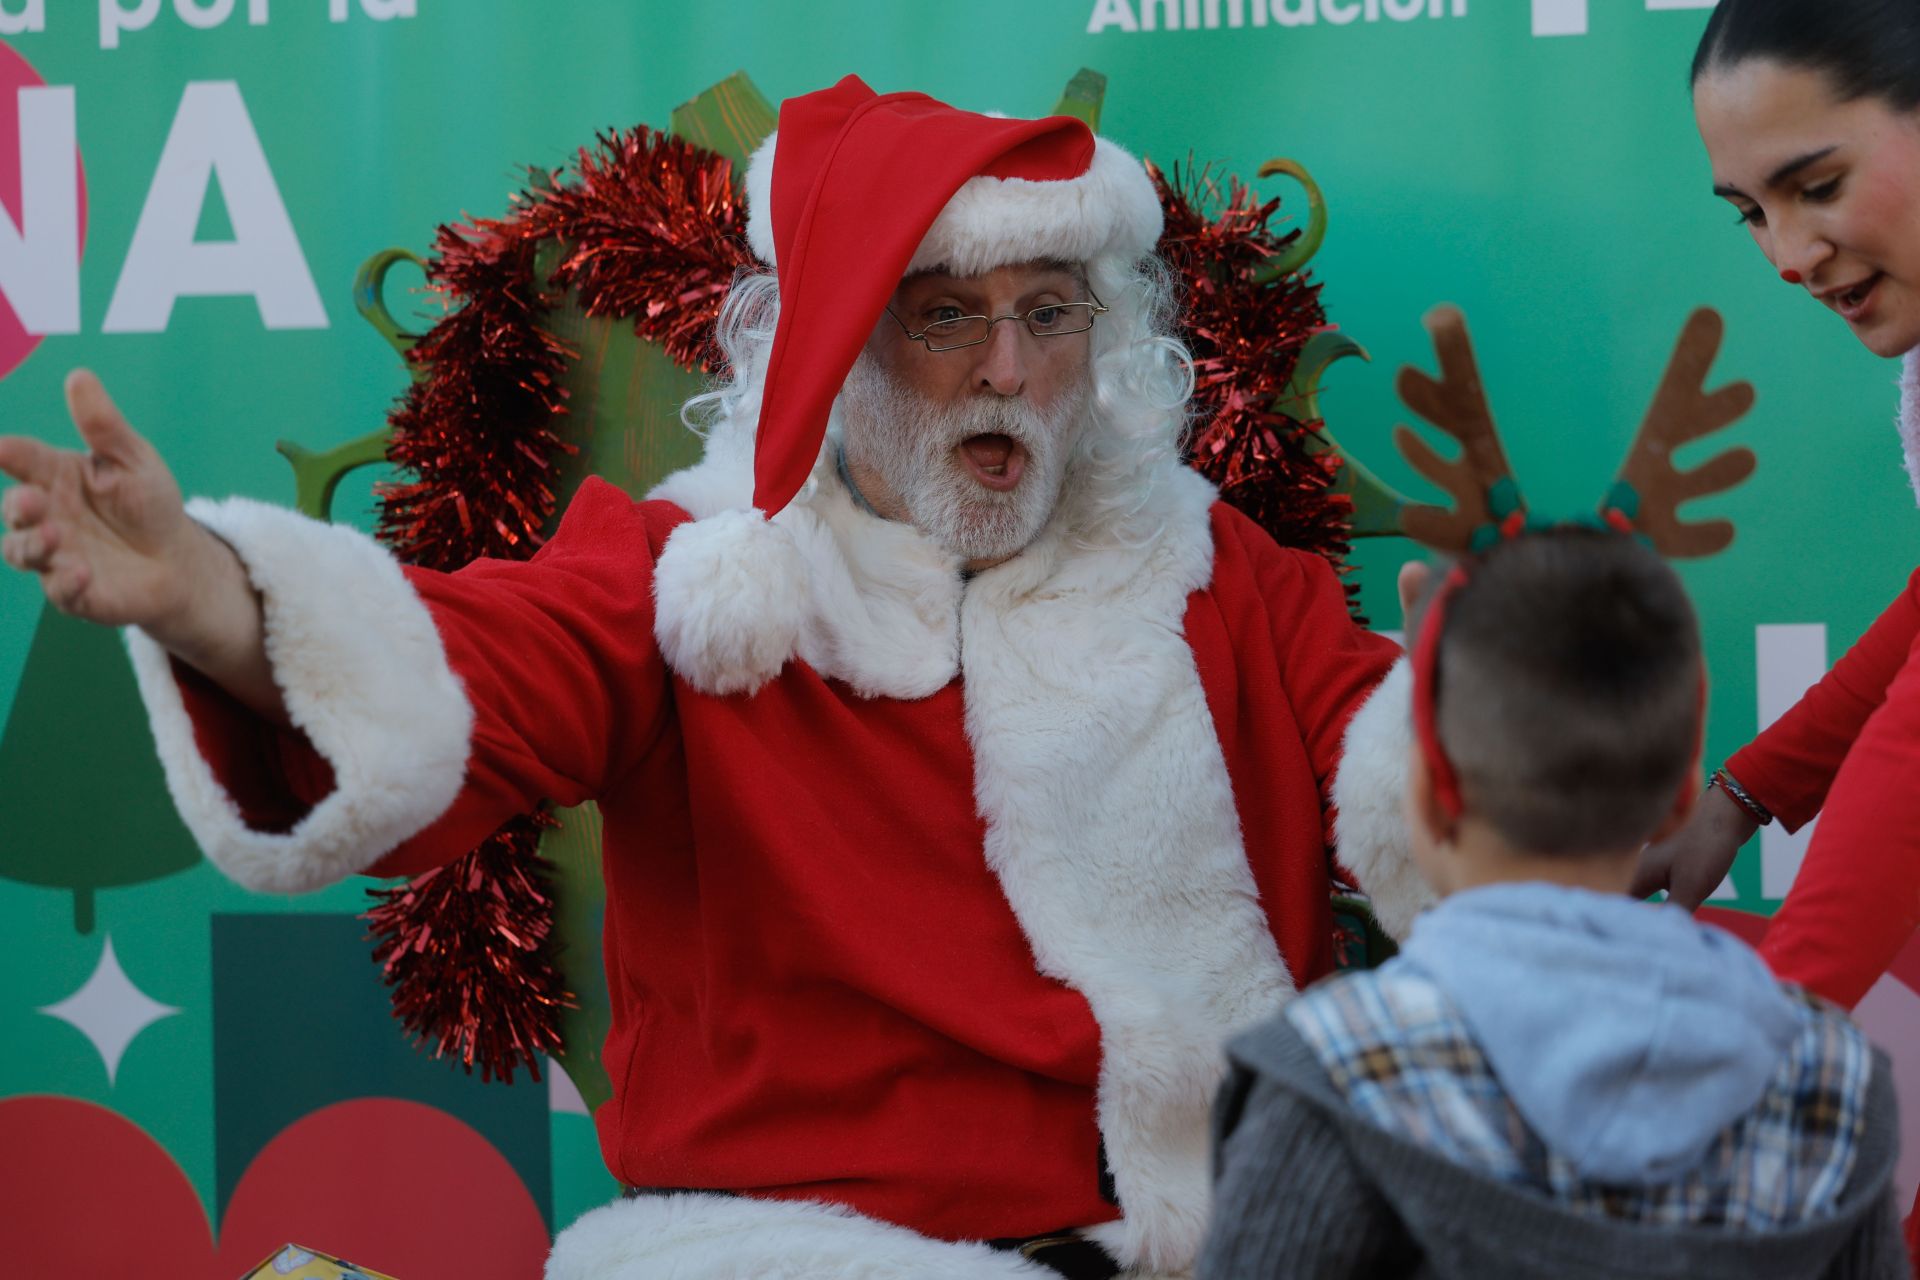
(1738, 794)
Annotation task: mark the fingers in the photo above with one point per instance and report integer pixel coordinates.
(23, 506)
(27, 459)
(1650, 876)
(31, 550)
(1689, 896)
(101, 425)
(66, 583)
(64, 575)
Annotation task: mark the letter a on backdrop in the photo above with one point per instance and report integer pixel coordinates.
(213, 138)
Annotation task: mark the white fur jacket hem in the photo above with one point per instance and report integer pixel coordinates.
(690, 1236)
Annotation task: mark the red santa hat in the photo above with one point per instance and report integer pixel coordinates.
(857, 190)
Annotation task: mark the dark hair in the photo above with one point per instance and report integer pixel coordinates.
(1865, 48)
(1568, 690)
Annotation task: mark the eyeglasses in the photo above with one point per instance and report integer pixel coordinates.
(1053, 320)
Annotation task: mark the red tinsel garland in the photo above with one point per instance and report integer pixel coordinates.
(655, 232)
(1246, 339)
(650, 228)
(467, 949)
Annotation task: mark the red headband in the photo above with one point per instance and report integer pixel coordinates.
(1426, 670)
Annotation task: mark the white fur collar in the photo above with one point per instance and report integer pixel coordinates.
(1111, 822)
(1909, 422)
(1112, 827)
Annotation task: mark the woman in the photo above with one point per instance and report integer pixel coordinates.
(1810, 110)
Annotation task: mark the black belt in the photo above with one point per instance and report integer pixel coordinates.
(1071, 1254)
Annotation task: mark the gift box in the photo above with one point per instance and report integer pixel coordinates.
(296, 1263)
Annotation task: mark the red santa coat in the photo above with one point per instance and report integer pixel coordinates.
(821, 988)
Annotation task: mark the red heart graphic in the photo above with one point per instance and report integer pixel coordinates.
(401, 1187)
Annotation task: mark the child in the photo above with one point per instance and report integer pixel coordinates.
(1553, 1079)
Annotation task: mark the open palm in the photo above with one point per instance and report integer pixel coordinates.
(105, 529)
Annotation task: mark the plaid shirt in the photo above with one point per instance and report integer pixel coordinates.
(1396, 1048)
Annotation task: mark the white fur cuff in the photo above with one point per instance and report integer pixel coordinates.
(364, 676)
(1111, 209)
(1370, 836)
(707, 1237)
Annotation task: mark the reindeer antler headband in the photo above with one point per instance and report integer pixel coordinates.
(1644, 499)
(1645, 496)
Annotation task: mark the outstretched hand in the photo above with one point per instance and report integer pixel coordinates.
(111, 541)
(105, 530)
(1691, 863)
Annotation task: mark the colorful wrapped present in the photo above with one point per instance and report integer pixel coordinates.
(296, 1263)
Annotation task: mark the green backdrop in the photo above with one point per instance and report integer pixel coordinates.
(1552, 185)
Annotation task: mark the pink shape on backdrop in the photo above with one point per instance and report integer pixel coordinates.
(16, 73)
(401, 1187)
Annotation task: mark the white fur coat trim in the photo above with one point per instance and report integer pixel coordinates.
(1112, 827)
(1370, 828)
(705, 1237)
(363, 674)
(1909, 423)
(990, 222)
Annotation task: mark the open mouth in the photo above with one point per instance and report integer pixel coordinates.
(1852, 303)
(995, 460)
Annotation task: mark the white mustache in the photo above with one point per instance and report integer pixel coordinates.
(1018, 422)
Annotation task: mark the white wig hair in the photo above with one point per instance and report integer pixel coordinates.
(1141, 383)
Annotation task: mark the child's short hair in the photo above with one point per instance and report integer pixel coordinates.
(1569, 690)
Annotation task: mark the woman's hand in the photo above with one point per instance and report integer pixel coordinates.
(1691, 863)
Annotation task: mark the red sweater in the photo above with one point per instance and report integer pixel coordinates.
(1849, 751)
(819, 988)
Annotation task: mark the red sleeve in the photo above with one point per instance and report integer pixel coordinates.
(1332, 664)
(558, 661)
(1857, 899)
(1791, 764)
(1329, 664)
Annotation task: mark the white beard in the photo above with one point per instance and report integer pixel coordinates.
(913, 444)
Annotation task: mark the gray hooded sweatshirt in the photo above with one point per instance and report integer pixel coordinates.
(1550, 1082)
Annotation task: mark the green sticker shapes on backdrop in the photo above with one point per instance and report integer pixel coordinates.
(300, 1021)
(87, 806)
(572, 849)
(1377, 505)
(732, 119)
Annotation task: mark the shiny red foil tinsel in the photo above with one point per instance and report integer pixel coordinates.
(467, 949)
(645, 227)
(1246, 339)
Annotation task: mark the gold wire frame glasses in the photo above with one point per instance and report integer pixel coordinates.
(1054, 320)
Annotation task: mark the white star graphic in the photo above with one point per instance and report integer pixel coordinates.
(109, 1010)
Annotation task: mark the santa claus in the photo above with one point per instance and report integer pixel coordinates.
(967, 768)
